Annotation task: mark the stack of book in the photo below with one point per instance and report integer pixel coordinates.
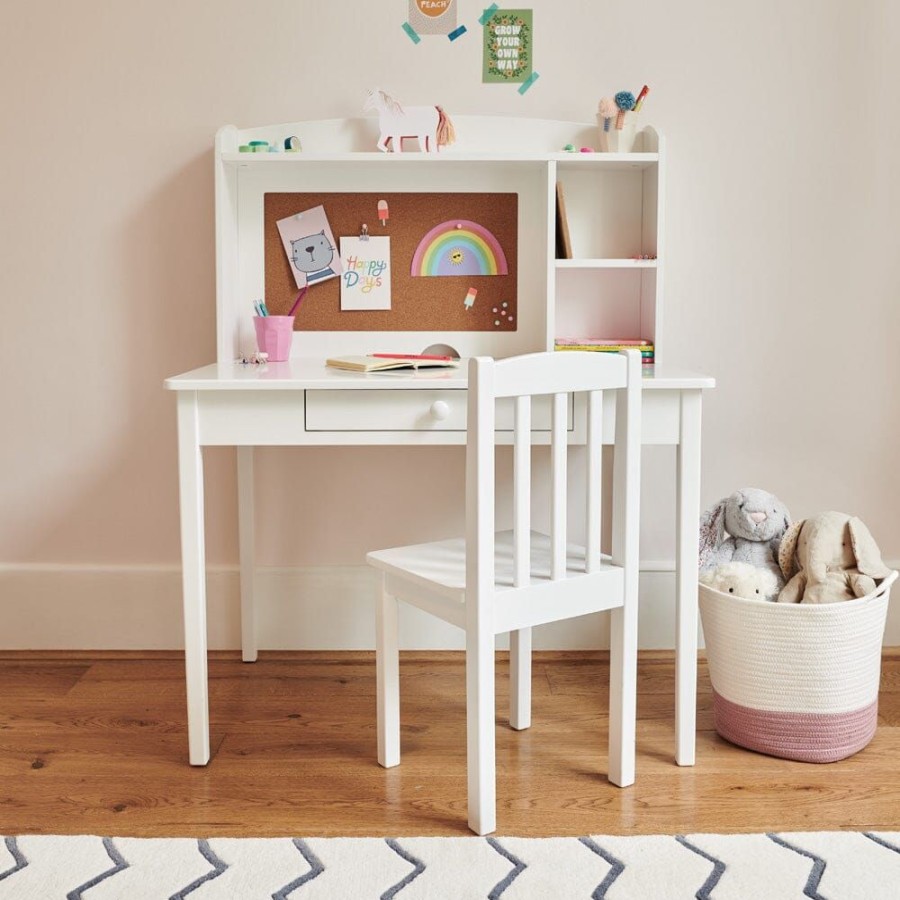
(607, 345)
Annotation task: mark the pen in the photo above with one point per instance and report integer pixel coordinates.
(258, 308)
(640, 98)
(408, 356)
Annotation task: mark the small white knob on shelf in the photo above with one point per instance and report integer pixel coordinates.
(440, 410)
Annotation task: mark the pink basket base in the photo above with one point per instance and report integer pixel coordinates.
(807, 737)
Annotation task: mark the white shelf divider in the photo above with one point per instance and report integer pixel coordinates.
(606, 263)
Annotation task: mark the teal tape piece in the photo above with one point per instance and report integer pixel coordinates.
(459, 32)
(411, 32)
(525, 85)
(488, 13)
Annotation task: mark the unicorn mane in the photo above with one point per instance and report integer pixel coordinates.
(379, 99)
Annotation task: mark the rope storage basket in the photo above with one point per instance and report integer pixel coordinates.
(799, 681)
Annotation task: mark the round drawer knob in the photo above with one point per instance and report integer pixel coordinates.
(440, 410)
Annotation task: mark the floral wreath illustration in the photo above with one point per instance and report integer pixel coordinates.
(494, 48)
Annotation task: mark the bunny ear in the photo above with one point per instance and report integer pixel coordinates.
(712, 531)
(785, 516)
(868, 556)
(787, 550)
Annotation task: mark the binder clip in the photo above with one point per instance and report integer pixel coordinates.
(364, 233)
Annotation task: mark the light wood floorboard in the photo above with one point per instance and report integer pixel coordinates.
(96, 743)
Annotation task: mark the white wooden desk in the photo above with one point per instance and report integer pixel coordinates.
(303, 403)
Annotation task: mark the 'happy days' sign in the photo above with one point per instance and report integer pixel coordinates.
(366, 278)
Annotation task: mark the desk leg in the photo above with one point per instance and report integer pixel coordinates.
(246, 540)
(687, 541)
(193, 565)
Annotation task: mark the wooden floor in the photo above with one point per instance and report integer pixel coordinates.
(96, 744)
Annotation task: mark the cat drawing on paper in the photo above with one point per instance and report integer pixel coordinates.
(313, 256)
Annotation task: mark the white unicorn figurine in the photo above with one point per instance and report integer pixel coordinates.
(430, 124)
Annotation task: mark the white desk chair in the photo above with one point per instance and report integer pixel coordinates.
(488, 583)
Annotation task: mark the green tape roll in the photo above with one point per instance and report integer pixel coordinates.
(245, 148)
(259, 143)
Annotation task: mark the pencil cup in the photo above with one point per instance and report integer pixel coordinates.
(624, 141)
(273, 336)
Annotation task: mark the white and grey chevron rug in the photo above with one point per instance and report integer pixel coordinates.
(816, 865)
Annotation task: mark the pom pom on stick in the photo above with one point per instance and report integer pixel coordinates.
(608, 111)
(624, 102)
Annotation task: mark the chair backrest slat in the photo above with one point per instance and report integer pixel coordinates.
(522, 492)
(558, 458)
(480, 484)
(594, 464)
(627, 473)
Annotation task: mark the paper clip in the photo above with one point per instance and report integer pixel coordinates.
(254, 359)
(364, 233)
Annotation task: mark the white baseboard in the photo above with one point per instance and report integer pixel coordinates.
(54, 607)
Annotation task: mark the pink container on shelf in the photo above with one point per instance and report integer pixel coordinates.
(273, 336)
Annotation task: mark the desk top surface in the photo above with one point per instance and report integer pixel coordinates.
(312, 374)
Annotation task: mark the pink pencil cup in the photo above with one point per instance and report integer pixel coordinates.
(273, 336)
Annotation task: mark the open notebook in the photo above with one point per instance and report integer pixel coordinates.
(388, 364)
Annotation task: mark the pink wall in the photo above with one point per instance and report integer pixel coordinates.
(783, 273)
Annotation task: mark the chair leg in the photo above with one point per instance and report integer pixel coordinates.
(622, 693)
(387, 678)
(481, 752)
(520, 679)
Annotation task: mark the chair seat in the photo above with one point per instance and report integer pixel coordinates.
(441, 565)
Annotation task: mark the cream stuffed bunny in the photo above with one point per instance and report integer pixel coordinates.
(828, 558)
(742, 580)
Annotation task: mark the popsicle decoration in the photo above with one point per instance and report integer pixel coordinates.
(383, 212)
(469, 302)
(608, 111)
(641, 97)
(625, 103)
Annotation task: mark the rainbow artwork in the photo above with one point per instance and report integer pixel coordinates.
(459, 247)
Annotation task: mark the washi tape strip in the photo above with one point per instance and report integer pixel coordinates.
(459, 32)
(411, 32)
(488, 13)
(525, 85)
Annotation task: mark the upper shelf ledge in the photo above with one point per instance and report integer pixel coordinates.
(612, 160)
(479, 138)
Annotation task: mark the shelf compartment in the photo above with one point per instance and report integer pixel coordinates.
(612, 215)
(610, 303)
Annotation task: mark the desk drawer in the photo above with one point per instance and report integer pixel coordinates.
(398, 410)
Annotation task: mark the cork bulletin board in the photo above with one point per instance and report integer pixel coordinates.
(418, 303)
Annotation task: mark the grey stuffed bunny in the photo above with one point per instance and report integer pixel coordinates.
(755, 520)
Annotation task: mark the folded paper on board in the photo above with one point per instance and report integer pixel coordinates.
(366, 279)
(309, 244)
